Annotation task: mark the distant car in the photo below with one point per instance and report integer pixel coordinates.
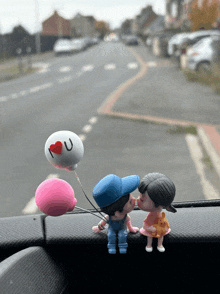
(62, 46)
(201, 55)
(131, 40)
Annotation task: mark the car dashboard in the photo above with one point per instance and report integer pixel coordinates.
(45, 254)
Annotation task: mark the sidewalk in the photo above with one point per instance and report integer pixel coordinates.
(122, 104)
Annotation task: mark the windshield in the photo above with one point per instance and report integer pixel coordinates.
(203, 41)
(136, 108)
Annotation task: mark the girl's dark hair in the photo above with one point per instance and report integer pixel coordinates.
(116, 206)
(159, 187)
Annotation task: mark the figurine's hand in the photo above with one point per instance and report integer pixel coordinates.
(134, 230)
(96, 229)
(151, 229)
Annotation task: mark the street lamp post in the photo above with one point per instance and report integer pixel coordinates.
(37, 36)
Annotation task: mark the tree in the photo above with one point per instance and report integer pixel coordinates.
(19, 33)
(204, 16)
(102, 28)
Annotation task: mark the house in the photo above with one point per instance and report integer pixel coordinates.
(56, 25)
(144, 19)
(82, 26)
(174, 12)
(155, 26)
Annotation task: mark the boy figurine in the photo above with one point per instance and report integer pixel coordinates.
(112, 195)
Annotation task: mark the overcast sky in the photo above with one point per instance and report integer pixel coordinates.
(24, 12)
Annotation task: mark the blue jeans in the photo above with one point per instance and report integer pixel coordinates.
(112, 236)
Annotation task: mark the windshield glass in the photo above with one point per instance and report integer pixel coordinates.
(204, 41)
(136, 108)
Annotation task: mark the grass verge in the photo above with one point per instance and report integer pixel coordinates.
(182, 130)
(209, 77)
(14, 71)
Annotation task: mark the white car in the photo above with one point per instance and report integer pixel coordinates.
(174, 41)
(77, 45)
(202, 53)
(193, 38)
(62, 46)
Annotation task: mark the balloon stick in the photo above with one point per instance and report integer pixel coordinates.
(78, 180)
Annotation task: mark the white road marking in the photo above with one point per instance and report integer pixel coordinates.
(35, 89)
(47, 85)
(88, 67)
(87, 128)
(79, 73)
(3, 99)
(152, 64)
(110, 66)
(52, 176)
(65, 79)
(210, 150)
(197, 155)
(31, 206)
(65, 69)
(43, 67)
(14, 96)
(93, 120)
(82, 137)
(43, 70)
(23, 93)
(132, 65)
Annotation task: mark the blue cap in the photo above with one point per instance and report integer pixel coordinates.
(111, 188)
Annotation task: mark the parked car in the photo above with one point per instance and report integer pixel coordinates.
(131, 40)
(77, 45)
(174, 42)
(201, 55)
(62, 46)
(193, 38)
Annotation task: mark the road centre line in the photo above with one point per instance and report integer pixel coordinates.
(197, 155)
(110, 66)
(3, 99)
(87, 128)
(93, 120)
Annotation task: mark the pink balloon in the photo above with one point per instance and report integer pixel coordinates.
(55, 197)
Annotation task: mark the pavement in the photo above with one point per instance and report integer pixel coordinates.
(209, 134)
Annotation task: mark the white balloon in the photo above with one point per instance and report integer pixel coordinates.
(64, 149)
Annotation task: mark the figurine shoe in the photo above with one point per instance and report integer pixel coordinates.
(123, 250)
(149, 249)
(161, 249)
(112, 251)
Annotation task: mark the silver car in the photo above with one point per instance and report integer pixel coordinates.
(201, 55)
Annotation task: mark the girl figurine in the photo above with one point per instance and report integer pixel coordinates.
(157, 191)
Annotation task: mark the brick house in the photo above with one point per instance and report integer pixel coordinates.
(56, 25)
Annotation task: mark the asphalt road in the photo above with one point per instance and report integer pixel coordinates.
(66, 94)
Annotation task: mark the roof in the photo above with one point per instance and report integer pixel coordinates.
(157, 25)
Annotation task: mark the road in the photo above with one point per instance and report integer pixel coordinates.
(67, 93)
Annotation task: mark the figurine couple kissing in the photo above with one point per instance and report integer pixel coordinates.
(113, 195)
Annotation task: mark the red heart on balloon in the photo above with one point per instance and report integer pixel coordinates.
(57, 147)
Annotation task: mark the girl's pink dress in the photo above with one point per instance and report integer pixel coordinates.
(151, 219)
